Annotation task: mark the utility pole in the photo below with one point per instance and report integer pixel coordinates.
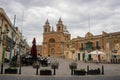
(1, 26)
(89, 25)
(11, 42)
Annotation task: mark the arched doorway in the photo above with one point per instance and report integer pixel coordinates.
(52, 51)
(51, 46)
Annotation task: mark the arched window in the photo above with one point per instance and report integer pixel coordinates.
(52, 40)
(45, 29)
(6, 27)
(59, 28)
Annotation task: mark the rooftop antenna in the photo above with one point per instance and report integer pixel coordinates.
(104, 26)
(22, 21)
(12, 34)
(19, 51)
(89, 22)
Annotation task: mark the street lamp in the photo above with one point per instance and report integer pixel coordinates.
(1, 41)
(3, 50)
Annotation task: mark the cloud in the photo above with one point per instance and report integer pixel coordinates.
(77, 15)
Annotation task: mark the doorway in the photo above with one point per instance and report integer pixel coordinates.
(78, 56)
(52, 51)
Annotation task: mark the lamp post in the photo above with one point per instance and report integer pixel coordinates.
(1, 43)
(3, 50)
(19, 51)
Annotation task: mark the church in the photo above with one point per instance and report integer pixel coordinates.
(54, 40)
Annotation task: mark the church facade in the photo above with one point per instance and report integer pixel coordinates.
(54, 40)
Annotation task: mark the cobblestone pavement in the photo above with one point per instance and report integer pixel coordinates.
(112, 71)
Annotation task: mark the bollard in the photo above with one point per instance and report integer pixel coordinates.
(111, 61)
(72, 71)
(54, 73)
(20, 70)
(116, 61)
(102, 70)
(37, 69)
(2, 68)
(87, 68)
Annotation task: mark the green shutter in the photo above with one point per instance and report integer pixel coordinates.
(78, 56)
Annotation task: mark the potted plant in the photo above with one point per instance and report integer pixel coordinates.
(72, 66)
(79, 72)
(54, 66)
(13, 64)
(45, 72)
(36, 64)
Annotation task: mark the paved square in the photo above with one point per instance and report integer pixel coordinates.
(64, 71)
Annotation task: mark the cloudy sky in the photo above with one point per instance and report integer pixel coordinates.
(80, 16)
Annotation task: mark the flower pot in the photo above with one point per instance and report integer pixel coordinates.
(55, 65)
(73, 65)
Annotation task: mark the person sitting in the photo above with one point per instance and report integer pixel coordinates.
(48, 60)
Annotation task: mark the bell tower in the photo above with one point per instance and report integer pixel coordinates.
(60, 25)
(46, 27)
